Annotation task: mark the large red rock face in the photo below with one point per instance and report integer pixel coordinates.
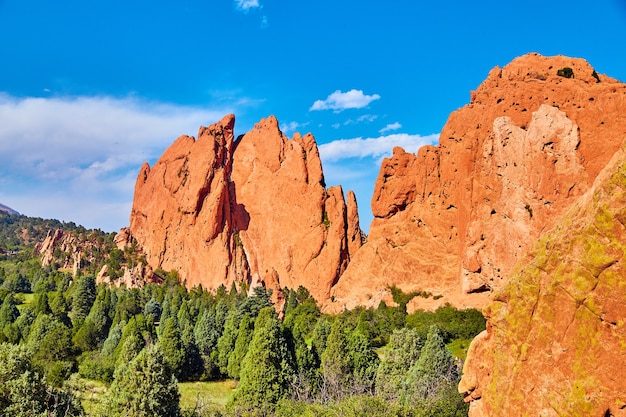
(455, 218)
(253, 210)
(556, 338)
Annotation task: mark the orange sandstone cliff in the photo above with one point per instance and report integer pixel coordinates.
(455, 218)
(555, 343)
(253, 210)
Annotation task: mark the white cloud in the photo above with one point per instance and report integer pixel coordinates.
(76, 154)
(355, 163)
(366, 118)
(390, 127)
(338, 101)
(292, 127)
(245, 5)
(373, 147)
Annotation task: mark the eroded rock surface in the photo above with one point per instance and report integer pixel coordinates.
(556, 334)
(254, 210)
(455, 218)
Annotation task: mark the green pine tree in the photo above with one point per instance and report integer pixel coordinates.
(172, 346)
(145, 387)
(402, 353)
(246, 328)
(83, 297)
(267, 369)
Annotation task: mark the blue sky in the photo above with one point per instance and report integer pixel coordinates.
(91, 89)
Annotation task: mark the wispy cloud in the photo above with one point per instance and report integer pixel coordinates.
(339, 101)
(292, 126)
(354, 163)
(373, 147)
(390, 127)
(246, 5)
(366, 118)
(75, 149)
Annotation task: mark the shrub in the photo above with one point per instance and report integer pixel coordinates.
(566, 72)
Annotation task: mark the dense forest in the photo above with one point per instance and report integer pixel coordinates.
(145, 346)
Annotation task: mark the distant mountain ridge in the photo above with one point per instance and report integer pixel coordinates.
(7, 209)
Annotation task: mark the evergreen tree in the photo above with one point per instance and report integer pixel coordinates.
(206, 333)
(8, 312)
(113, 339)
(205, 337)
(24, 321)
(138, 327)
(152, 310)
(320, 334)
(23, 392)
(41, 304)
(364, 360)
(133, 345)
(185, 323)
(336, 361)
(241, 347)
(433, 370)
(402, 353)
(259, 299)
(83, 297)
(172, 346)
(146, 387)
(267, 369)
(226, 342)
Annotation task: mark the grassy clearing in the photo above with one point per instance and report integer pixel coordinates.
(24, 299)
(217, 392)
(459, 347)
(93, 393)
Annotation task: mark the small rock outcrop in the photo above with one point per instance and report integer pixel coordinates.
(253, 210)
(455, 218)
(556, 337)
(65, 250)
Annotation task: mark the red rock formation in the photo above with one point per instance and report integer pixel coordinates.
(254, 210)
(456, 217)
(556, 339)
(69, 246)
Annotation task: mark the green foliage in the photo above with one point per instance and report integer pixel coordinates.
(433, 372)
(8, 312)
(96, 366)
(259, 299)
(83, 297)
(267, 369)
(312, 364)
(152, 310)
(336, 363)
(226, 342)
(244, 337)
(453, 323)
(566, 72)
(401, 354)
(23, 392)
(145, 387)
(172, 347)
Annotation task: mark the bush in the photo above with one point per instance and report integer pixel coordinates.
(566, 72)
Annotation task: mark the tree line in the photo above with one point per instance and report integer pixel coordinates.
(142, 342)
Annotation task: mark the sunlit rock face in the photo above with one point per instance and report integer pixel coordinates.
(252, 210)
(454, 219)
(556, 333)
